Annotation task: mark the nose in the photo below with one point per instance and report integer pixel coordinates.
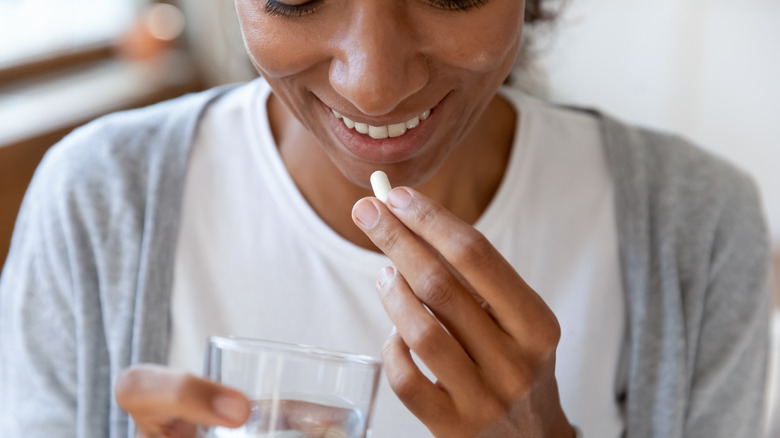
(378, 63)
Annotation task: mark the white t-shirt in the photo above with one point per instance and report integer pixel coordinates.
(254, 260)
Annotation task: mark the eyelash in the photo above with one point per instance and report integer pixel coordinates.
(276, 8)
(457, 5)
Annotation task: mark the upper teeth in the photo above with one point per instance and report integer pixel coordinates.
(379, 132)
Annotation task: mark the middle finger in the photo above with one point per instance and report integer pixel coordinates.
(431, 281)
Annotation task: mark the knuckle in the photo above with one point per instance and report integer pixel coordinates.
(389, 351)
(406, 387)
(436, 289)
(548, 339)
(426, 340)
(391, 238)
(472, 248)
(403, 385)
(393, 350)
(401, 382)
(553, 337)
(426, 215)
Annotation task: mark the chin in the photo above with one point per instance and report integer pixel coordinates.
(410, 173)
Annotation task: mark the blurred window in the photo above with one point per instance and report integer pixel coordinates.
(41, 28)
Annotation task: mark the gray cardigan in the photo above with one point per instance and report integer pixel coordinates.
(86, 288)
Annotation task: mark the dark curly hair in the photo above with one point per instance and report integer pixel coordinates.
(540, 16)
(535, 12)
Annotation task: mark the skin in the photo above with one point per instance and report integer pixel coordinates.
(493, 340)
(385, 61)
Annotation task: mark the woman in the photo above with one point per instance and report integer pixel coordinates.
(583, 277)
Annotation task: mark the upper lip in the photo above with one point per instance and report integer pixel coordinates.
(383, 122)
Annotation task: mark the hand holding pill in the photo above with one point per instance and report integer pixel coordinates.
(494, 359)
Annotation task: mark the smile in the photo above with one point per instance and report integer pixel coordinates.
(380, 132)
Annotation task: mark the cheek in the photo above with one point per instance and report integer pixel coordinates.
(484, 42)
(276, 47)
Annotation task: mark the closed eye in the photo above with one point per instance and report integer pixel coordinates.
(458, 5)
(277, 8)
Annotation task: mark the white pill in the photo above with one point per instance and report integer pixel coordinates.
(381, 185)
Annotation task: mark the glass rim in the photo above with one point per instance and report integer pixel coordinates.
(251, 345)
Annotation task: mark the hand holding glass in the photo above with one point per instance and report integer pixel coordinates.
(297, 391)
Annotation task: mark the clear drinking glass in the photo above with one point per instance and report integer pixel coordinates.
(297, 391)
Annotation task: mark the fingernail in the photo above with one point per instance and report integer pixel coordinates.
(399, 198)
(230, 408)
(367, 213)
(386, 274)
(393, 331)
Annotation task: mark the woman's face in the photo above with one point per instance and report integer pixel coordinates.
(387, 64)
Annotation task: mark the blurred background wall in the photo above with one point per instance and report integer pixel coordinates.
(215, 38)
(63, 64)
(707, 69)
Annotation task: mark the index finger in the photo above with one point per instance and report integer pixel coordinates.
(155, 390)
(516, 305)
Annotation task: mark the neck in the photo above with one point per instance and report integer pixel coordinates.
(464, 184)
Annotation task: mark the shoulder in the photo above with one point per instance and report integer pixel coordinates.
(670, 176)
(126, 142)
(119, 160)
(107, 176)
(686, 215)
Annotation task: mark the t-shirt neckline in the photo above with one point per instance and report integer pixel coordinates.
(311, 226)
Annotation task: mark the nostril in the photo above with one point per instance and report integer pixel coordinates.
(376, 87)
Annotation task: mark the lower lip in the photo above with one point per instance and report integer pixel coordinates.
(387, 150)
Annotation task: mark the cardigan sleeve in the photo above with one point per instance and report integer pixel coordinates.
(38, 359)
(728, 380)
(85, 289)
(59, 290)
